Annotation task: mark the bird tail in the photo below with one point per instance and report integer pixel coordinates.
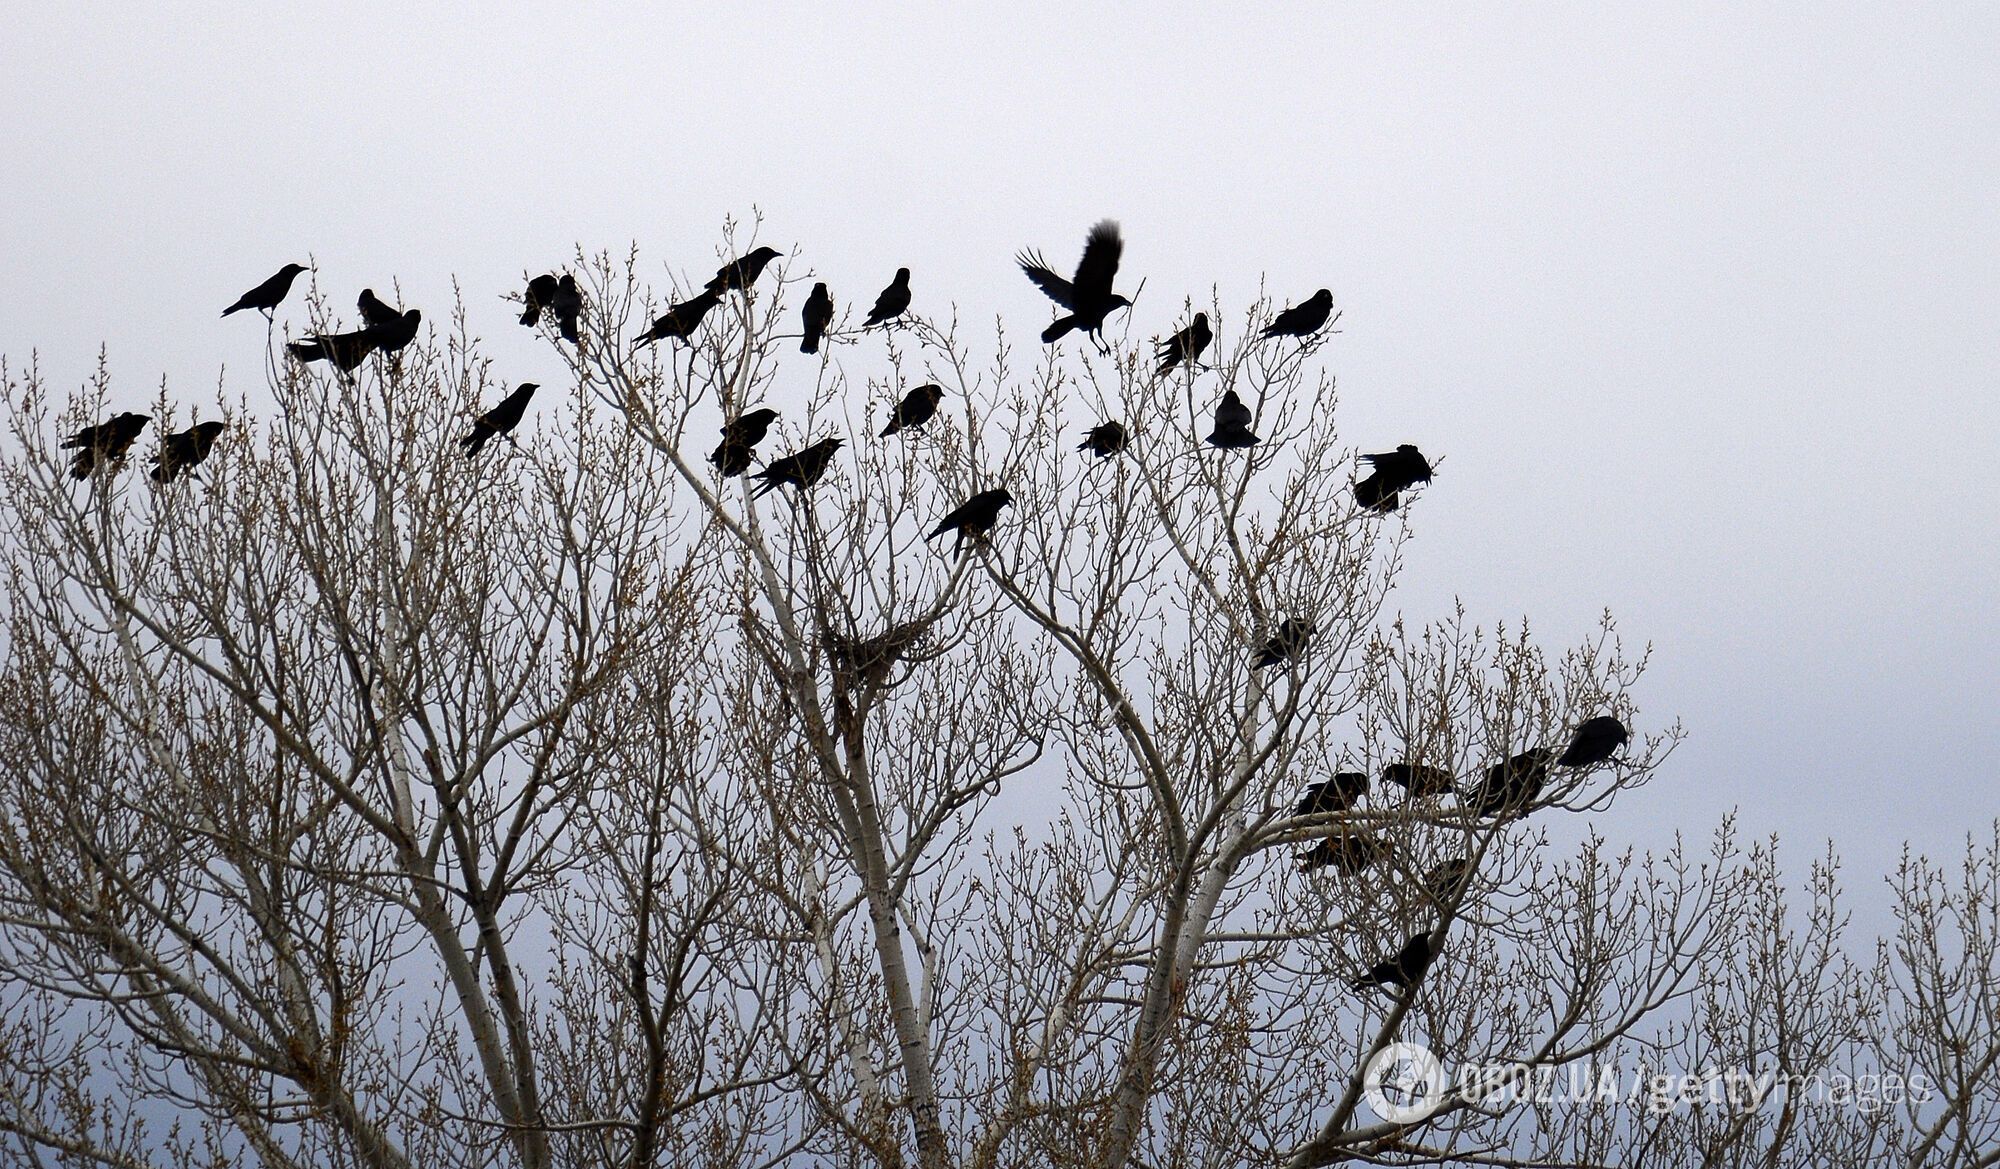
(531, 314)
(1056, 331)
(231, 309)
(809, 345)
(306, 350)
(475, 441)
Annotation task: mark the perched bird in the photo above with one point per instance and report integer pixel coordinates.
(741, 272)
(1346, 852)
(1405, 970)
(739, 438)
(1445, 883)
(680, 320)
(344, 350)
(894, 301)
(374, 312)
(1184, 347)
(975, 517)
(1391, 474)
(1511, 786)
(1104, 440)
(1284, 645)
(184, 451)
(1232, 424)
(500, 420)
(818, 315)
(1338, 794)
(396, 331)
(1087, 295)
(1597, 740)
(1302, 320)
(541, 293)
(270, 294)
(802, 469)
(1418, 779)
(914, 410)
(568, 306)
(106, 442)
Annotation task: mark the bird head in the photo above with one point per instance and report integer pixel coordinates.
(292, 269)
(1005, 498)
(206, 431)
(902, 275)
(1118, 302)
(934, 392)
(764, 254)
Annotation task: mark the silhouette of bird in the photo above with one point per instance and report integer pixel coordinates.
(1104, 440)
(894, 301)
(802, 469)
(1338, 794)
(1511, 786)
(1346, 852)
(397, 331)
(1418, 779)
(270, 294)
(344, 350)
(1087, 295)
(680, 320)
(741, 272)
(1232, 424)
(541, 292)
(106, 442)
(500, 420)
(1392, 473)
(1597, 740)
(184, 451)
(1284, 645)
(1404, 970)
(374, 312)
(568, 306)
(818, 315)
(1445, 883)
(975, 517)
(739, 438)
(1185, 346)
(1304, 319)
(914, 410)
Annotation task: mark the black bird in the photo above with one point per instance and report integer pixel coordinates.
(1418, 779)
(1445, 883)
(1597, 740)
(914, 410)
(270, 294)
(1302, 320)
(975, 517)
(739, 438)
(1511, 786)
(500, 420)
(681, 320)
(1347, 852)
(802, 469)
(1284, 646)
(1338, 794)
(1185, 346)
(568, 306)
(106, 442)
(894, 301)
(741, 272)
(1391, 473)
(541, 292)
(392, 334)
(818, 315)
(374, 312)
(184, 451)
(1406, 969)
(1087, 295)
(1104, 440)
(344, 350)
(1232, 424)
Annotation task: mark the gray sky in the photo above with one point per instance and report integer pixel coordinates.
(1701, 306)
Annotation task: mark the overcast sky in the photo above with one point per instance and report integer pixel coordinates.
(1701, 306)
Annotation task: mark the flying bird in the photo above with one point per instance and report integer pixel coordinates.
(741, 272)
(541, 293)
(184, 451)
(739, 439)
(1596, 741)
(894, 301)
(499, 421)
(568, 306)
(1302, 320)
(914, 410)
(1087, 295)
(802, 469)
(1338, 794)
(344, 350)
(1184, 347)
(818, 315)
(394, 332)
(975, 517)
(1232, 424)
(1405, 970)
(680, 320)
(1346, 852)
(1285, 645)
(1418, 779)
(1104, 440)
(374, 312)
(1511, 786)
(270, 294)
(1391, 474)
(106, 442)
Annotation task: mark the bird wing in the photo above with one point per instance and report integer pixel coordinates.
(374, 311)
(1099, 265)
(1055, 287)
